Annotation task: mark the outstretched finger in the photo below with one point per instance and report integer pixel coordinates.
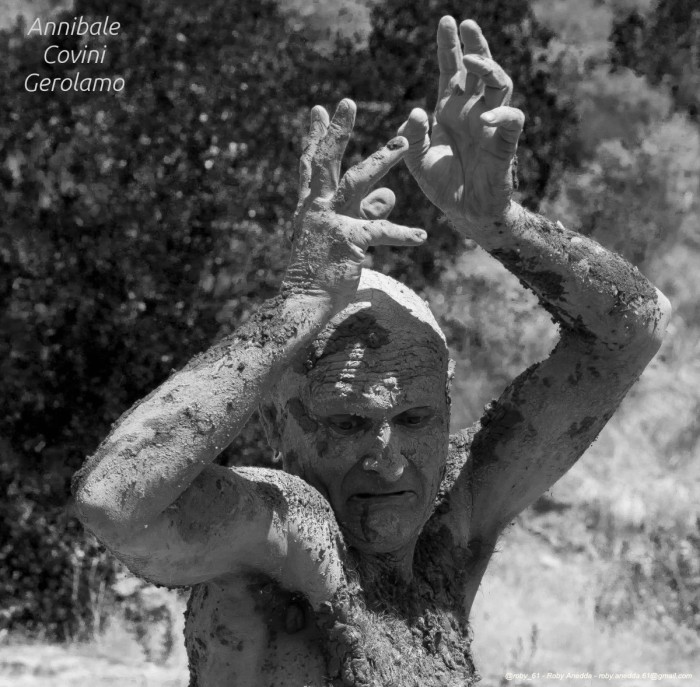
(509, 122)
(416, 130)
(317, 130)
(325, 165)
(379, 232)
(449, 53)
(473, 39)
(499, 86)
(474, 43)
(360, 178)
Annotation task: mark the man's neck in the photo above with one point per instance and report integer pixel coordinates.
(396, 564)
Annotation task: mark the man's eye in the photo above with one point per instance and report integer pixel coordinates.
(345, 424)
(418, 417)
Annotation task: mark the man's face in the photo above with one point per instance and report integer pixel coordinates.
(371, 433)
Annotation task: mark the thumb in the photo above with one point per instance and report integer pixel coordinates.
(508, 123)
(378, 204)
(415, 129)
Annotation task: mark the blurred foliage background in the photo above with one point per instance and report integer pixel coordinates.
(138, 227)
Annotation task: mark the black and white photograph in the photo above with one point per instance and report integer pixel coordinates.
(349, 344)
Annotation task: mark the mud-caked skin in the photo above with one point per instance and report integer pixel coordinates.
(358, 563)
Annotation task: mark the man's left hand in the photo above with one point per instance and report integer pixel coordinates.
(465, 166)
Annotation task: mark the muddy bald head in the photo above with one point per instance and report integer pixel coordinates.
(386, 334)
(363, 416)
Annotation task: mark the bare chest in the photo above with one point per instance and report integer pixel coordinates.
(250, 634)
(247, 633)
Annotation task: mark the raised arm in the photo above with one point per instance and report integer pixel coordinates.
(150, 492)
(610, 317)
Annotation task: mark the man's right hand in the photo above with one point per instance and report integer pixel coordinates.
(336, 221)
(151, 493)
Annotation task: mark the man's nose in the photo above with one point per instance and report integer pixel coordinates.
(384, 456)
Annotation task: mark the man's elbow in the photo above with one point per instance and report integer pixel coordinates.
(665, 310)
(641, 332)
(96, 508)
(652, 334)
(96, 516)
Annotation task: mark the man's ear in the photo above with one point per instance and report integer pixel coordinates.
(271, 424)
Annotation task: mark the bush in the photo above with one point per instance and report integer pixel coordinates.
(140, 225)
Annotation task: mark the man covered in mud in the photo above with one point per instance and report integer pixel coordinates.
(358, 563)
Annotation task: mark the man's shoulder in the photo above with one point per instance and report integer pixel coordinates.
(443, 552)
(453, 500)
(461, 440)
(277, 486)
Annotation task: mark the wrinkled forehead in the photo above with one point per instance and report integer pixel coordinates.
(394, 375)
(386, 344)
(383, 349)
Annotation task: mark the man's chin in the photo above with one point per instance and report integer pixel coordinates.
(380, 532)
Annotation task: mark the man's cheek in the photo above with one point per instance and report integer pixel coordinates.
(340, 457)
(328, 461)
(428, 453)
(425, 449)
